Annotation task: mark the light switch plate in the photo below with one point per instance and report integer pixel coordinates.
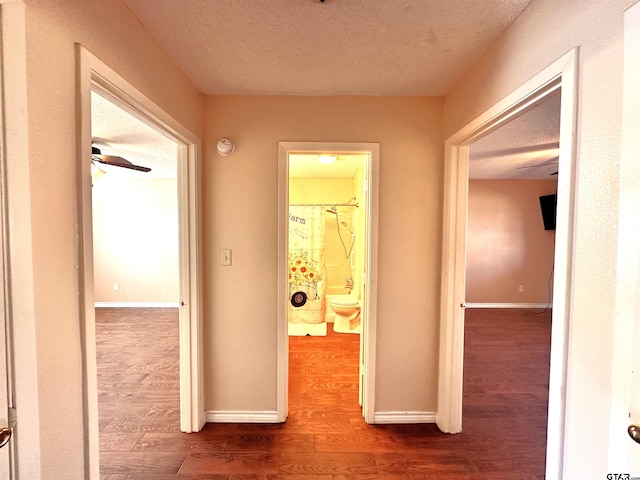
(225, 257)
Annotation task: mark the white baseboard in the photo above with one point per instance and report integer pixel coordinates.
(241, 416)
(136, 304)
(509, 305)
(272, 417)
(404, 417)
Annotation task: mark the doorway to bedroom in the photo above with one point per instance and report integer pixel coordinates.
(557, 77)
(136, 278)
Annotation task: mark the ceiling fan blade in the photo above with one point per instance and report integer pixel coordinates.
(119, 162)
(115, 161)
(553, 161)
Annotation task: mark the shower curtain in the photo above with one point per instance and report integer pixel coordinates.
(306, 264)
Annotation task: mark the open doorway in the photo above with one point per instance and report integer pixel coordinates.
(561, 75)
(96, 77)
(513, 174)
(335, 187)
(326, 246)
(136, 260)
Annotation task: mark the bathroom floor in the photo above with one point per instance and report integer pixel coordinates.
(325, 437)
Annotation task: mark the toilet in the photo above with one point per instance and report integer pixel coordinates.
(347, 310)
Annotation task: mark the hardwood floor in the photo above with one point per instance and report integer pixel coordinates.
(325, 437)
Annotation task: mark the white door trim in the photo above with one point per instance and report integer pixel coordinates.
(94, 75)
(623, 452)
(562, 74)
(20, 263)
(7, 393)
(371, 266)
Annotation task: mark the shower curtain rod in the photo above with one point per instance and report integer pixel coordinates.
(323, 205)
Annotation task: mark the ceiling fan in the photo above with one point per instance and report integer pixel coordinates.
(96, 156)
(553, 161)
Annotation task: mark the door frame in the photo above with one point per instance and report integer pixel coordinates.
(94, 75)
(562, 74)
(626, 355)
(19, 266)
(7, 394)
(367, 367)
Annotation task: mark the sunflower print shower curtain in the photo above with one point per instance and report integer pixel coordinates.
(306, 264)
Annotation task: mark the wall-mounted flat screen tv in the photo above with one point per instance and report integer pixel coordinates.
(548, 208)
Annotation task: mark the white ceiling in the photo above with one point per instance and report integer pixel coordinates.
(342, 47)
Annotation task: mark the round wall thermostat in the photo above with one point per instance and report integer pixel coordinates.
(225, 147)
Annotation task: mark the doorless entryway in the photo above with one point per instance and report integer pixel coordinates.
(95, 76)
(367, 278)
(562, 74)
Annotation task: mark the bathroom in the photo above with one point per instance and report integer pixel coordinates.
(330, 188)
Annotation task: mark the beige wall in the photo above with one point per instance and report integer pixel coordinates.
(135, 240)
(109, 31)
(240, 212)
(545, 31)
(507, 245)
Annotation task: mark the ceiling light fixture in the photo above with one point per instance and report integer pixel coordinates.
(96, 171)
(326, 159)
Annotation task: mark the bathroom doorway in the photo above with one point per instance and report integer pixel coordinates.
(328, 203)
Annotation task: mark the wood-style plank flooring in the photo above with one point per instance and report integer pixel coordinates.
(325, 437)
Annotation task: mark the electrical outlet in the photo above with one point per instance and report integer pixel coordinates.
(225, 257)
(521, 288)
(116, 287)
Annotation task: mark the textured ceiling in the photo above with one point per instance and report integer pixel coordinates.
(343, 47)
(524, 148)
